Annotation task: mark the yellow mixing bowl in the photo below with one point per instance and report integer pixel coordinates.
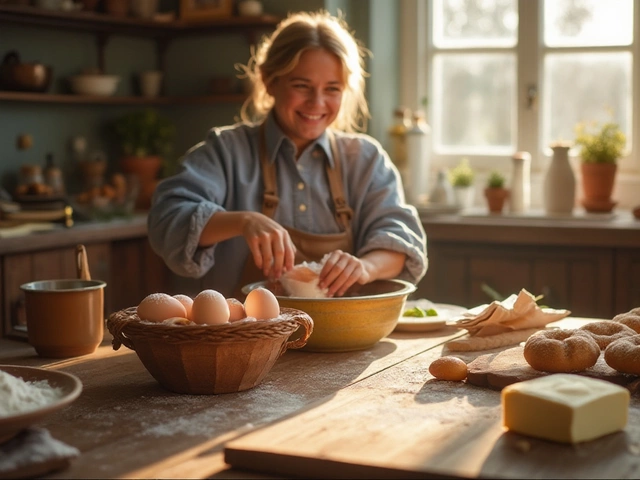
(356, 321)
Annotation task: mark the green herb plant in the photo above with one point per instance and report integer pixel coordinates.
(600, 144)
(462, 175)
(144, 133)
(495, 180)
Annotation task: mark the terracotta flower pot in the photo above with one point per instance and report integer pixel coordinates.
(496, 198)
(597, 186)
(146, 169)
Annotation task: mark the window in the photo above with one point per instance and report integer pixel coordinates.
(509, 75)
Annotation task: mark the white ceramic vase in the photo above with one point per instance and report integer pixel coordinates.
(520, 194)
(559, 183)
(464, 196)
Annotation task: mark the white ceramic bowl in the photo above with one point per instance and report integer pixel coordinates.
(94, 84)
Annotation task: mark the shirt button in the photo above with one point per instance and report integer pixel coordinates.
(302, 207)
(316, 153)
(300, 186)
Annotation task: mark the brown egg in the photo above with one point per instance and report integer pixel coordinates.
(448, 368)
(261, 304)
(160, 306)
(210, 307)
(186, 301)
(236, 310)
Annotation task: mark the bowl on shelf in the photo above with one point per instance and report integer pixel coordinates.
(209, 359)
(94, 84)
(355, 321)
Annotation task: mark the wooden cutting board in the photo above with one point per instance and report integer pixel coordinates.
(497, 370)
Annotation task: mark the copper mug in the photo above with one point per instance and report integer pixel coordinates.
(65, 318)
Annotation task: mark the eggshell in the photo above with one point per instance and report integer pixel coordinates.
(210, 307)
(236, 310)
(160, 306)
(261, 304)
(449, 368)
(186, 301)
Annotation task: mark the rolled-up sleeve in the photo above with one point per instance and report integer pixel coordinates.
(384, 219)
(183, 203)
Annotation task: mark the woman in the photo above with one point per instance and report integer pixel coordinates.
(292, 182)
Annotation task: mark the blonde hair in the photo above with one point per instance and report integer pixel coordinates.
(279, 54)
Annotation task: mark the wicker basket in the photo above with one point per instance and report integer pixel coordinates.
(209, 359)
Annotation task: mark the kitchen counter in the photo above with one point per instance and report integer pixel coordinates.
(81, 232)
(376, 413)
(617, 229)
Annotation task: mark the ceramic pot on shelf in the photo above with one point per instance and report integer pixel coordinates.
(559, 183)
(146, 170)
(597, 186)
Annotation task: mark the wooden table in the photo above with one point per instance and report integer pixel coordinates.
(368, 414)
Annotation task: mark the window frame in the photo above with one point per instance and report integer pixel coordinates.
(415, 83)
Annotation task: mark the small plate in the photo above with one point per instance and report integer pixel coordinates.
(69, 384)
(446, 313)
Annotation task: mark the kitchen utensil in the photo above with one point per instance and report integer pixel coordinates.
(65, 318)
(356, 321)
(70, 387)
(209, 359)
(26, 77)
(94, 84)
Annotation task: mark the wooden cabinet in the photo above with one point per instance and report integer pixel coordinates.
(117, 253)
(590, 267)
(577, 279)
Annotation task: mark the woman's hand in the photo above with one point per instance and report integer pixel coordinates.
(270, 244)
(341, 270)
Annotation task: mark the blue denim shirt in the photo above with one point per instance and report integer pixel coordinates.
(223, 174)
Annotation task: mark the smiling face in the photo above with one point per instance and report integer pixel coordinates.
(307, 99)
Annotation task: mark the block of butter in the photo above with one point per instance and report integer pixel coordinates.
(565, 408)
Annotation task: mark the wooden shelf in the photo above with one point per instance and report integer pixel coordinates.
(118, 100)
(103, 23)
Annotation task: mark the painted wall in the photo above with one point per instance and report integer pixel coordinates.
(191, 62)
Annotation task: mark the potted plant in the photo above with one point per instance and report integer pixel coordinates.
(495, 192)
(601, 146)
(145, 138)
(461, 177)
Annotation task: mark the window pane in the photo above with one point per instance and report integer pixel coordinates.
(475, 23)
(586, 87)
(578, 23)
(474, 102)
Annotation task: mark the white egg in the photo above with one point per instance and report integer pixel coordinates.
(210, 307)
(160, 306)
(186, 301)
(236, 310)
(261, 304)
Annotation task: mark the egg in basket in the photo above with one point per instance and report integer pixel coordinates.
(209, 344)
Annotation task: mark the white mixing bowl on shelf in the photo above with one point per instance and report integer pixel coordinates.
(94, 84)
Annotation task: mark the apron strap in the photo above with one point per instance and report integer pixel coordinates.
(344, 213)
(270, 198)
